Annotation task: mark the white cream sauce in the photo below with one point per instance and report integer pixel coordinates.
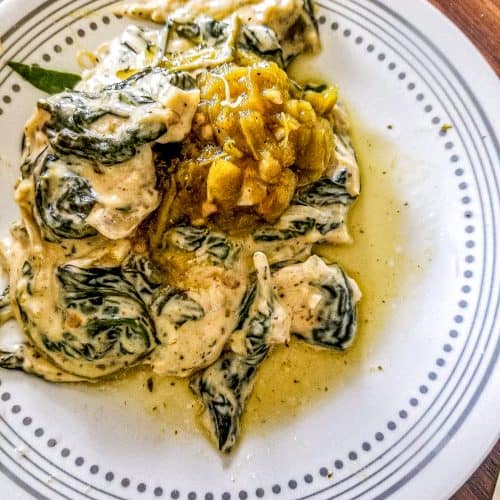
(126, 194)
(197, 344)
(278, 15)
(297, 289)
(199, 324)
(135, 49)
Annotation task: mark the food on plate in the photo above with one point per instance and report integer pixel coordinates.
(171, 196)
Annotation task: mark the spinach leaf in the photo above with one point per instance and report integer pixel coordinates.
(332, 322)
(297, 34)
(225, 386)
(48, 80)
(316, 210)
(324, 192)
(26, 358)
(187, 238)
(143, 276)
(31, 163)
(219, 249)
(337, 320)
(262, 41)
(202, 30)
(177, 307)
(213, 246)
(129, 102)
(207, 32)
(117, 321)
(63, 201)
(292, 229)
(105, 324)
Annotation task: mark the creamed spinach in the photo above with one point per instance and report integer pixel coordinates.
(104, 156)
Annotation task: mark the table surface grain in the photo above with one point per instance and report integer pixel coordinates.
(480, 21)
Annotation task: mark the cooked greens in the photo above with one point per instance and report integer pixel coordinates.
(208, 32)
(263, 42)
(72, 115)
(325, 192)
(105, 324)
(225, 386)
(194, 321)
(178, 307)
(104, 274)
(202, 30)
(135, 108)
(288, 228)
(216, 247)
(144, 277)
(331, 321)
(63, 201)
(316, 211)
(293, 23)
(254, 38)
(28, 359)
(188, 238)
(99, 142)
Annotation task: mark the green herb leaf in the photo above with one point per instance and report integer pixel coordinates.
(47, 80)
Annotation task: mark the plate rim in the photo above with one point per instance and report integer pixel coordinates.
(493, 135)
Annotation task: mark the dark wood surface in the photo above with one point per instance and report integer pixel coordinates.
(482, 484)
(480, 21)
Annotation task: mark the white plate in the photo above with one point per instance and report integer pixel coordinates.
(414, 430)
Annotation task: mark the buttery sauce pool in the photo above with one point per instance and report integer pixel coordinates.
(295, 378)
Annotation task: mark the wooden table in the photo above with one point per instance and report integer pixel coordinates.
(480, 21)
